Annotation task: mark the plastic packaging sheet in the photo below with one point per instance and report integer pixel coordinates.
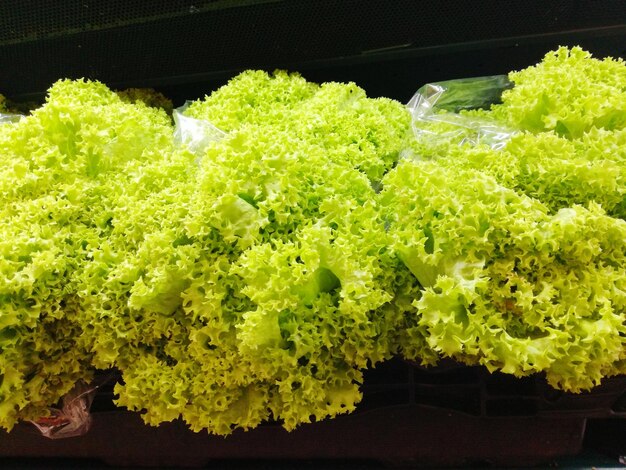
(9, 118)
(195, 134)
(73, 417)
(441, 102)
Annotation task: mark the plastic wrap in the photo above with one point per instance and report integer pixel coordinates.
(73, 417)
(195, 134)
(436, 106)
(9, 118)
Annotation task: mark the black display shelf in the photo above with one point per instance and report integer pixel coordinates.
(450, 415)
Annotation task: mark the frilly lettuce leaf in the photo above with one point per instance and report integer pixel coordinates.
(506, 283)
(569, 92)
(57, 166)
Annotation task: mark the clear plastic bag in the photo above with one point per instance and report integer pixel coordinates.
(195, 134)
(73, 417)
(9, 118)
(441, 103)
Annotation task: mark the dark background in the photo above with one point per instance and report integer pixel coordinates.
(389, 47)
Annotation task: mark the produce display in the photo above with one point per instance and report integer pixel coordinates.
(256, 279)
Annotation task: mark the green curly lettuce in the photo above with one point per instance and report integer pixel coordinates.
(256, 279)
(569, 92)
(507, 284)
(572, 150)
(557, 171)
(255, 283)
(367, 134)
(56, 166)
(253, 97)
